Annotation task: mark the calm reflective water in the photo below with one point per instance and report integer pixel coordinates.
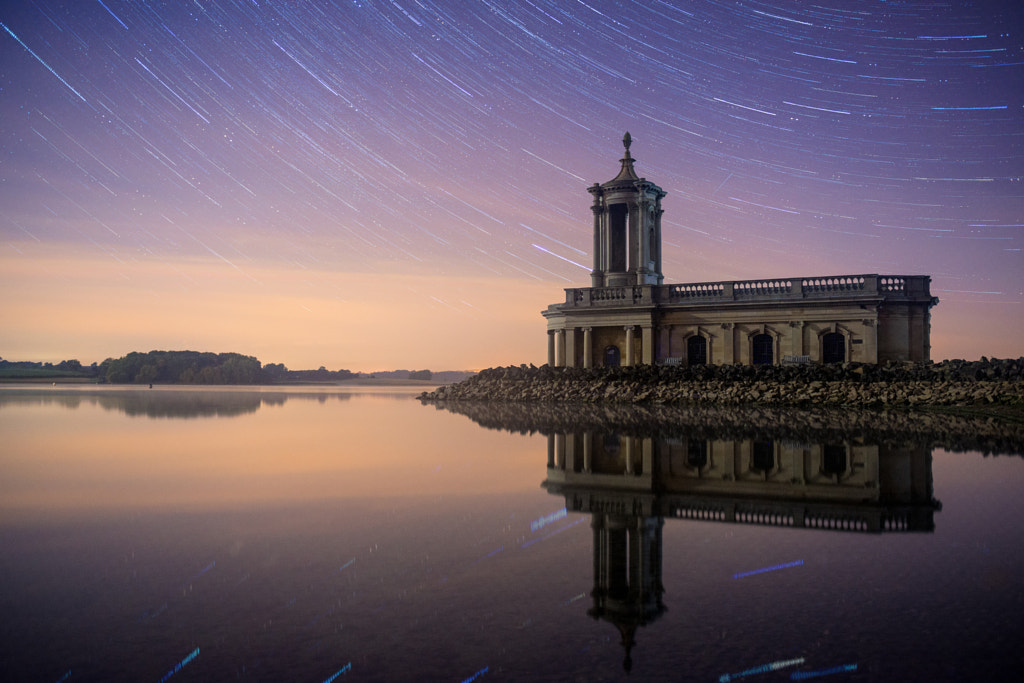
(150, 535)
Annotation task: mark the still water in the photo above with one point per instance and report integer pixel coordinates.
(345, 534)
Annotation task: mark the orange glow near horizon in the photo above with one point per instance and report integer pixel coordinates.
(94, 457)
(59, 305)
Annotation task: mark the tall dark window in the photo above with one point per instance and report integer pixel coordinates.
(762, 350)
(833, 348)
(833, 460)
(762, 457)
(611, 357)
(697, 350)
(617, 228)
(697, 454)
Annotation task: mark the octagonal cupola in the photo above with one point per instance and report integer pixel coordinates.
(627, 228)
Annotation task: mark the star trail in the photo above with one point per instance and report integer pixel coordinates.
(319, 166)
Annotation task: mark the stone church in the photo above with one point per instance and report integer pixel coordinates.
(629, 316)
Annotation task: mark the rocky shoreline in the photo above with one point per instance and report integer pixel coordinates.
(986, 384)
(953, 432)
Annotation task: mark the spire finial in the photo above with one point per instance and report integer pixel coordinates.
(626, 172)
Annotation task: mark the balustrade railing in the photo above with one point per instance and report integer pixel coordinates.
(762, 287)
(890, 283)
(792, 288)
(695, 291)
(833, 284)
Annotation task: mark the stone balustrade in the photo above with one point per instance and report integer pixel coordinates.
(787, 289)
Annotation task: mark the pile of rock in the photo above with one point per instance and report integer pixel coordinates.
(949, 383)
(814, 424)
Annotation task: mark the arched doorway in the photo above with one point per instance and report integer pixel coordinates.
(697, 350)
(762, 352)
(833, 348)
(612, 357)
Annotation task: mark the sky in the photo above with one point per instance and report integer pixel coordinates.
(402, 183)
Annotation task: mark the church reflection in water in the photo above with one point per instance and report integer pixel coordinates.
(629, 484)
(631, 467)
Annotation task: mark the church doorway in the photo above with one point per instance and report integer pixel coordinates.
(697, 350)
(762, 352)
(833, 348)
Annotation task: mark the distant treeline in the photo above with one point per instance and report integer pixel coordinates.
(195, 367)
(173, 367)
(185, 367)
(66, 368)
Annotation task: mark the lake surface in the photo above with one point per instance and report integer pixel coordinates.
(348, 534)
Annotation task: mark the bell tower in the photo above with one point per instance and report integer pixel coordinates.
(627, 228)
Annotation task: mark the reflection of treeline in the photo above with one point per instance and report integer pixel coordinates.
(186, 403)
(808, 425)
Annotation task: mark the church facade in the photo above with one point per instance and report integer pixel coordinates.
(630, 316)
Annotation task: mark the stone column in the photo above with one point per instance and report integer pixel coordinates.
(870, 336)
(597, 524)
(560, 348)
(643, 239)
(570, 347)
(551, 348)
(797, 345)
(658, 211)
(647, 457)
(600, 260)
(588, 347)
(647, 345)
(728, 353)
(588, 452)
(570, 452)
(629, 346)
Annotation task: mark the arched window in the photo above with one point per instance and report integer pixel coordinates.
(697, 350)
(833, 348)
(611, 357)
(762, 353)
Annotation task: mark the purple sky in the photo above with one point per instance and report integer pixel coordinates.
(403, 183)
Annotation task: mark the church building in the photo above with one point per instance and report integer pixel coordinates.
(629, 316)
